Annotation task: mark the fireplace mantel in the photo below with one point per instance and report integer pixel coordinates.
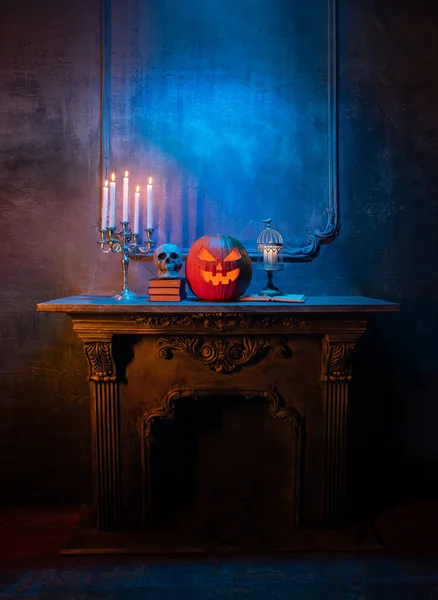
(314, 305)
(298, 358)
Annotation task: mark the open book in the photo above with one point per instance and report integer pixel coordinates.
(283, 298)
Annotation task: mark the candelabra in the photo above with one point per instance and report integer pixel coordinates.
(128, 244)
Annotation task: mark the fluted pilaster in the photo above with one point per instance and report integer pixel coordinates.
(105, 425)
(338, 356)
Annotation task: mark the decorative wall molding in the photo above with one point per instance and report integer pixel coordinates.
(219, 355)
(316, 237)
(100, 361)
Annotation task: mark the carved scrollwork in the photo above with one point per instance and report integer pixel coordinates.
(219, 355)
(277, 408)
(339, 358)
(284, 322)
(219, 322)
(163, 321)
(167, 409)
(316, 238)
(100, 361)
(294, 323)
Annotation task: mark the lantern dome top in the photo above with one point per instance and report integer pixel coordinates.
(269, 236)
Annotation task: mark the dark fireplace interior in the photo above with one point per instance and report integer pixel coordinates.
(222, 472)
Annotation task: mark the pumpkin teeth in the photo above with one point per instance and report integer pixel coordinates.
(208, 277)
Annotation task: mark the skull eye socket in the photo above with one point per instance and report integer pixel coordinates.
(162, 256)
(204, 254)
(233, 255)
(173, 255)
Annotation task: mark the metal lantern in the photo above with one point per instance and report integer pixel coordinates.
(270, 257)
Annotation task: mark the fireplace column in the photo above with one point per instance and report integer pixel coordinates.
(338, 354)
(105, 428)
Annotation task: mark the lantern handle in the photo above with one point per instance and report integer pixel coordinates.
(267, 222)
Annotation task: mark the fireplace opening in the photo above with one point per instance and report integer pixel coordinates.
(223, 472)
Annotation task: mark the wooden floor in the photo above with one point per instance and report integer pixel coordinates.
(407, 568)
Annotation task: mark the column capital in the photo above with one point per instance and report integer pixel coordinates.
(338, 355)
(100, 360)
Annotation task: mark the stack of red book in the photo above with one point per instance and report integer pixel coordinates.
(167, 290)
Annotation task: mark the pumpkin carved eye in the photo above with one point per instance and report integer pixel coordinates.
(233, 255)
(204, 254)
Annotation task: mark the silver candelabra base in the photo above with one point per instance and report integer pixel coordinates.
(128, 244)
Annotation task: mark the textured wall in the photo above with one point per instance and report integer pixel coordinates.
(389, 245)
(49, 116)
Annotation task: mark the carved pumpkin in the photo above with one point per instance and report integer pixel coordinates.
(218, 268)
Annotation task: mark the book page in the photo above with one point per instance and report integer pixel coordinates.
(283, 298)
(254, 299)
(289, 298)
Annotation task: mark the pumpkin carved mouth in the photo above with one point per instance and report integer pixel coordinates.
(216, 279)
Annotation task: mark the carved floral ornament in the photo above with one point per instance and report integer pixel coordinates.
(220, 355)
(220, 322)
(339, 358)
(100, 361)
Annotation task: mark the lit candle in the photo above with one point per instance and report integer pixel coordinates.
(274, 255)
(104, 223)
(112, 214)
(149, 205)
(125, 197)
(270, 255)
(137, 210)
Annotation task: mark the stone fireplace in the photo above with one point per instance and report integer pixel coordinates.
(218, 427)
(224, 468)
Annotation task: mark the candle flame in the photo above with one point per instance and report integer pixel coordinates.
(137, 189)
(113, 176)
(106, 183)
(126, 173)
(150, 180)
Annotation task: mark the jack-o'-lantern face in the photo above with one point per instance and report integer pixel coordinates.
(218, 268)
(219, 271)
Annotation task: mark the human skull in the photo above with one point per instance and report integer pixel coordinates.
(168, 260)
